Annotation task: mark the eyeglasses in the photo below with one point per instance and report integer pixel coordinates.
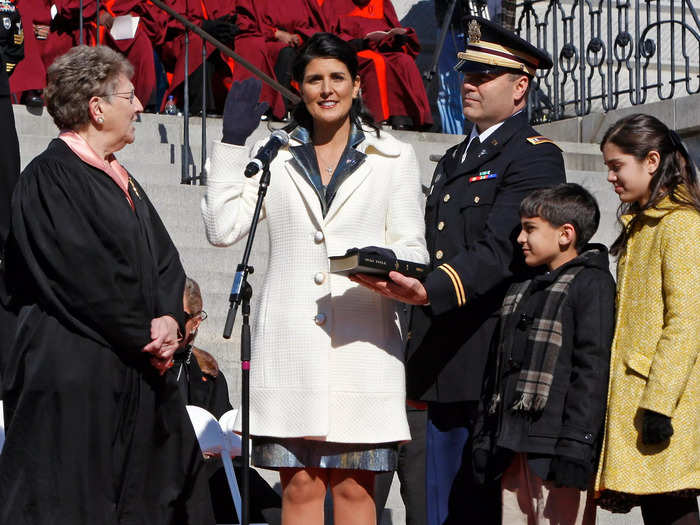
(201, 314)
(120, 95)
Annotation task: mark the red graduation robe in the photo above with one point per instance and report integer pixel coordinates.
(30, 73)
(172, 50)
(391, 82)
(66, 34)
(258, 21)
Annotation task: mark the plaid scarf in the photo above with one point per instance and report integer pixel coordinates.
(544, 340)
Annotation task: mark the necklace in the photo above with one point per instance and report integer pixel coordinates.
(329, 166)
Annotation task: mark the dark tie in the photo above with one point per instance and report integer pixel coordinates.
(473, 149)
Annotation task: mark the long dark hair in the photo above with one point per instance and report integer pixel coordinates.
(327, 45)
(638, 135)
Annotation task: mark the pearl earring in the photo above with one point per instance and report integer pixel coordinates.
(100, 120)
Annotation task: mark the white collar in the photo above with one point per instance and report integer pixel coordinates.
(483, 136)
(486, 134)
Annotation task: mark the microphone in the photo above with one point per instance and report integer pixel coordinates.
(267, 153)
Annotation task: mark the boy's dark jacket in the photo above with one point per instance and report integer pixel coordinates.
(571, 421)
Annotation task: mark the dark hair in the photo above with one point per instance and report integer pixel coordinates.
(638, 135)
(327, 45)
(565, 204)
(77, 76)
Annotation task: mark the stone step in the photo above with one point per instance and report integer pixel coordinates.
(157, 149)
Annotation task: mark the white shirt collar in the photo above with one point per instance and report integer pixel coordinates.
(483, 136)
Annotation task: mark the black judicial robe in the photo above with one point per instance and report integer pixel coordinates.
(94, 434)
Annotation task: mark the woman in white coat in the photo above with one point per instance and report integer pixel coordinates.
(327, 379)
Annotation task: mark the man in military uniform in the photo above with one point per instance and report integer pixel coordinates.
(472, 222)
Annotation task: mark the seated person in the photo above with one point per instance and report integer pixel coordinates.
(270, 33)
(55, 32)
(392, 88)
(217, 18)
(203, 384)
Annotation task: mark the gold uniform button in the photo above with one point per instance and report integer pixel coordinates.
(441, 225)
(439, 254)
(477, 199)
(446, 197)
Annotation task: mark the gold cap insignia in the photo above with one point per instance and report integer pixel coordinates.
(474, 30)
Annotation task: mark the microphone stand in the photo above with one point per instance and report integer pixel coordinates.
(241, 291)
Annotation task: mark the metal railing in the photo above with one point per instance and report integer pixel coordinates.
(610, 53)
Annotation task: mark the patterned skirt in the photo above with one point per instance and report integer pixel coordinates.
(276, 453)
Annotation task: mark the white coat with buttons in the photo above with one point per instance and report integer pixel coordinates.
(327, 354)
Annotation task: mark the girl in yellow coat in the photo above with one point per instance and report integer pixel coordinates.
(651, 448)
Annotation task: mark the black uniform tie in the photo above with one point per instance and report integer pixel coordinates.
(473, 149)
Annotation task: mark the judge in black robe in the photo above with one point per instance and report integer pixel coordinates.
(95, 432)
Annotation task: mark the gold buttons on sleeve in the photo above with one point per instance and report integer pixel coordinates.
(439, 254)
(446, 197)
(441, 225)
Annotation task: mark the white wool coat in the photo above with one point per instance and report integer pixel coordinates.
(327, 354)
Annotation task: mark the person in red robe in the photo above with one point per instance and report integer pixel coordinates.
(52, 37)
(216, 17)
(138, 50)
(392, 88)
(270, 33)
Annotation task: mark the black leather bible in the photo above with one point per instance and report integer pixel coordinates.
(359, 260)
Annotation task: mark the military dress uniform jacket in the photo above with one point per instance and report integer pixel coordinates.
(472, 222)
(11, 41)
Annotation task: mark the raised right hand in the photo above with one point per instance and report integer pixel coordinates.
(242, 111)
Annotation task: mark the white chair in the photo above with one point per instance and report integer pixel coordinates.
(213, 442)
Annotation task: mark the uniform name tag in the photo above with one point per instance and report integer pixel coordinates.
(483, 175)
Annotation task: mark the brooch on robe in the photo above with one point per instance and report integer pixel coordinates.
(133, 187)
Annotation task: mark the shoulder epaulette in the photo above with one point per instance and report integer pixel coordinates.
(540, 139)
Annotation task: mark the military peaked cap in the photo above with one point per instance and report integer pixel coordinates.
(492, 48)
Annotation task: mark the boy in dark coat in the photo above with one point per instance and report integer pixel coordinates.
(545, 401)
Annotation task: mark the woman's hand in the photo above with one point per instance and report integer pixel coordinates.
(398, 287)
(164, 342)
(288, 38)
